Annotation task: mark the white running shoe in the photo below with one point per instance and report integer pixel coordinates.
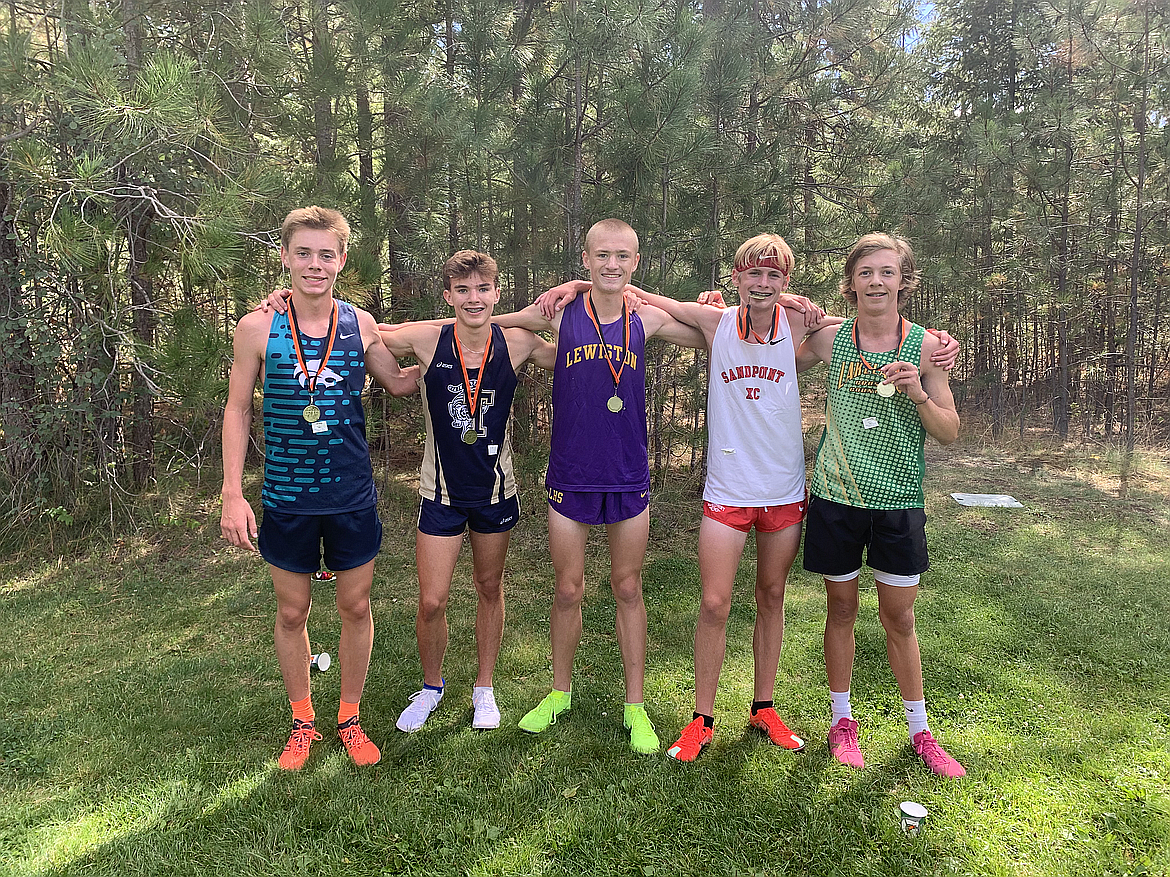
(422, 704)
(487, 714)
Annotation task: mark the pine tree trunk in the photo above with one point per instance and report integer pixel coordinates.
(16, 358)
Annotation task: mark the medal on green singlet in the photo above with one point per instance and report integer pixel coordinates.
(883, 390)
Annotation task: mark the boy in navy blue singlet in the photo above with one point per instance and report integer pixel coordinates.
(318, 492)
(469, 371)
(598, 470)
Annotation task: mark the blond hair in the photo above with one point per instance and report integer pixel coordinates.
(316, 219)
(767, 250)
(610, 226)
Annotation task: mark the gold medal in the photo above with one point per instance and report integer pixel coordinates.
(469, 437)
(614, 404)
(883, 390)
(311, 412)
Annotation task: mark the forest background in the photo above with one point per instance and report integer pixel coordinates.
(150, 148)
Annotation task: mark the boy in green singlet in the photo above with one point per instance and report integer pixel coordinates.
(884, 397)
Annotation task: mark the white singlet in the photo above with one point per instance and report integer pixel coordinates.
(755, 452)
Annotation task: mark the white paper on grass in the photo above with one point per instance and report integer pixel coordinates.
(987, 500)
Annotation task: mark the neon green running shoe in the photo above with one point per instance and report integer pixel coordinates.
(545, 713)
(642, 736)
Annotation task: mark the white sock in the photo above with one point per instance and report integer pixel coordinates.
(915, 716)
(840, 704)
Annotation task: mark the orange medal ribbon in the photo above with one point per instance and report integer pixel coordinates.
(472, 399)
(617, 373)
(743, 324)
(311, 382)
(904, 327)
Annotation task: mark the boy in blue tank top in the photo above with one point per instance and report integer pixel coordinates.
(318, 492)
(469, 371)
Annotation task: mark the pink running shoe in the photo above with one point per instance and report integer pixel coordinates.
(935, 757)
(843, 743)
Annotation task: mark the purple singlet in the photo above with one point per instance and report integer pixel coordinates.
(593, 448)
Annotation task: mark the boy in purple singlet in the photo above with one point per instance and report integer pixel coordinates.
(598, 471)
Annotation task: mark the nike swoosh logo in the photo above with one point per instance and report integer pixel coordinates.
(643, 495)
(350, 335)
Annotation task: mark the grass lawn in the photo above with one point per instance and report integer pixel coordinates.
(142, 707)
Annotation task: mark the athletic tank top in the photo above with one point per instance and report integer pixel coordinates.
(755, 448)
(594, 449)
(871, 452)
(453, 472)
(307, 472)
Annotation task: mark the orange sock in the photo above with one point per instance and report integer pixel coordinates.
(303, 709)
(346, 711)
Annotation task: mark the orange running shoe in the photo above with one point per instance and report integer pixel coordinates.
(771, 724)
(692, 741)
(296, 750)
(360, 747)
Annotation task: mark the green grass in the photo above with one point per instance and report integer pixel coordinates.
(142, 708)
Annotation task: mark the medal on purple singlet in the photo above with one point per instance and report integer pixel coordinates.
(311, 413)
(469, 436)
(615, 403)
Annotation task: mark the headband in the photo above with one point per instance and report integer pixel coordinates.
(780, 265)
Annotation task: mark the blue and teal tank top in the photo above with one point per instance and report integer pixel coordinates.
(324, 471)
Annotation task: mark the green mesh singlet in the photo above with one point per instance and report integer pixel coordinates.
(882, 466)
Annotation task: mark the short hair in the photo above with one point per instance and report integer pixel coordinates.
(765, 250)
(872, 243)
(468, 262)
(612, 226)
(317, 219)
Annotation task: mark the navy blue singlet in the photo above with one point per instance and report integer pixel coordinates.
(453, 472)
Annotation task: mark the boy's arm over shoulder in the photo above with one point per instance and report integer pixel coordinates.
(818, 346)
(237, 521)
(525, 346)
(417, 339)
(530, 318)
(705, 318)
(659, 324)
(380, 362)
(805, 322)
